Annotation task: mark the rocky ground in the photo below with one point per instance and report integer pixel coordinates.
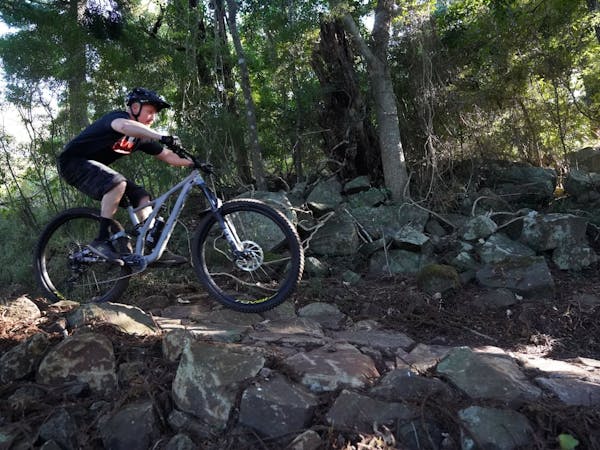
(565, 328)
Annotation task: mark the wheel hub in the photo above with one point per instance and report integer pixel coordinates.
(251, 257)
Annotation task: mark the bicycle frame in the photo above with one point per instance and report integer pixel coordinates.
(184, 187)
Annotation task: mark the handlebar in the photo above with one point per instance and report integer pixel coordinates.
(205, 167)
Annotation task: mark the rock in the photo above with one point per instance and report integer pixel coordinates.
(504, 381)
(327, 369)
(21, 309)
(523, 184)
(180, 442)
(337, 237)
(386, 219)
(62, 429)
(579, 183)
(479, 227)
(278, 200)
(543, 232)
(359, 412)
(495, 428)
(134, 427)
(573, 256)
(23, 359)
(186, 423)
(325, 196)
(573, 391)
(351, 277)
(314, 267)
(499, 247)
(276, 407)
(208, 378)
(527, 276)
(173, 343)
(386, 341)
(284, 311)
(408, 238)
(424, 357)
(585, 159)
(372, 197)
(405, 385)
(126, 318)
(435, 278)
(309, 440)
(327, 315)
(463, 261)
(358, 184)
(86, 357)
(294, 331)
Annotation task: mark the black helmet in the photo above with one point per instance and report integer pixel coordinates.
(142, 95)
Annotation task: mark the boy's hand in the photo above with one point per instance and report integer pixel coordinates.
(171, 142)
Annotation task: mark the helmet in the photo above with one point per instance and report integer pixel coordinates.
(142, 96)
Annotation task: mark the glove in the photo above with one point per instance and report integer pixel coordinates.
(171, 142)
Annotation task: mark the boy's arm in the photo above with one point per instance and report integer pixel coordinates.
(132, 128)
(172, 158)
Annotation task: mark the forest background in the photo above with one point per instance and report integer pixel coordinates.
(278, 92)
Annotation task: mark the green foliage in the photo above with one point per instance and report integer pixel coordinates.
(567, 442)
(515, 79)
(510, 79)
(17, 245)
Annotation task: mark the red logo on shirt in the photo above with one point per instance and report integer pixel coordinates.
(125, 145)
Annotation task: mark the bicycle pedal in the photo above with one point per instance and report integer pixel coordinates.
(95, 256)
(136, 261)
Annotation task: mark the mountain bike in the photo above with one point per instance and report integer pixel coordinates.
(246, 254)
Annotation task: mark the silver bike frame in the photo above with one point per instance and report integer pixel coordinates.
(184, 187)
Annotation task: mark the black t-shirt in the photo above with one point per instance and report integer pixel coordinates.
(99, 142)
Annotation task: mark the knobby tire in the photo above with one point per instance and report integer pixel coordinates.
(265, 280)
(67, 234)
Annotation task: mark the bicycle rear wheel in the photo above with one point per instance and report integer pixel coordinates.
(66, 270)
(267, 271)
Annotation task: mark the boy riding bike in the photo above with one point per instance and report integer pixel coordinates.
(85, 159)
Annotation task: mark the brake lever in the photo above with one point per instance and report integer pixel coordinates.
(205, 167)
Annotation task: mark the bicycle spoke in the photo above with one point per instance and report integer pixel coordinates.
(266, 269)
(66, 269)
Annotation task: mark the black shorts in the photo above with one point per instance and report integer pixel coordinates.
(96, 179)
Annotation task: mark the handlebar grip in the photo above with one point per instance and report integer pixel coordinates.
(205, 167)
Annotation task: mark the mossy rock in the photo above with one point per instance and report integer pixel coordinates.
(440, 278)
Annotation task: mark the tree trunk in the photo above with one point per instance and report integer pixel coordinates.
(349, 138)
(256, 153)
(384, 98)
(224, 69)
(76, 69)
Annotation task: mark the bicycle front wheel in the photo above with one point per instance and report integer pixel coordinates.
(266, 270)
(66, 270)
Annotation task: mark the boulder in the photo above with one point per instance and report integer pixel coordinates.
(208, 379)
(86, 357)
(527, 276)
(275, 407)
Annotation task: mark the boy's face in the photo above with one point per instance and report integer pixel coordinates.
(147, 113)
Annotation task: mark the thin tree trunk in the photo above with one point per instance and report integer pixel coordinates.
(559, 121)
(256, 153)
(224, 67)
(77, 63)
(384, 98)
